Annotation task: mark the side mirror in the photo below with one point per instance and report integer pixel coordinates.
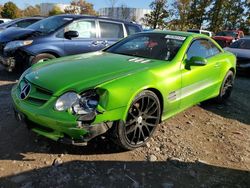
(71, 34)
(197, 61)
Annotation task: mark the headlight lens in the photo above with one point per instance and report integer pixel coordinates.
(79, 104)
(16, 44)
(66, 101)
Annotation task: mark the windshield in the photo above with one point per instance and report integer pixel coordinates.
(50, 24)
(149, 45)
(227, 33)
(241, 44)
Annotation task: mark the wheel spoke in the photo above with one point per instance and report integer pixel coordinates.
(131, 129)
(142, 133)
(142, 104)
(147, 129)
(149, 107)
(150, 124)
(130, 122)
(150, 117)
(134, 134)
(139, 135)
(154, 110)
(133, 116)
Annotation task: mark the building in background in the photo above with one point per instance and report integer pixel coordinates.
(124, 13)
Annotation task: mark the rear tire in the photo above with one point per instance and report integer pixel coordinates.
(226, 87)
(142, 120)
(42, 57)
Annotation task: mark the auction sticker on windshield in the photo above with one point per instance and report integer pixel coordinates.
(176, 37)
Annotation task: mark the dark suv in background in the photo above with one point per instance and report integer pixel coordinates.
(20, 22)
(59, 36)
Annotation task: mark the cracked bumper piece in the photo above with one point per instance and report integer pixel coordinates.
(61, 126)
(8, 62)
(78, 135)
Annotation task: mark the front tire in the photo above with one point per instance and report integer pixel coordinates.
(226, 87)
(41, 58)
(143, 117)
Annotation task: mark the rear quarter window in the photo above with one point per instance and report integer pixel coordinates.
(132, 29)
(111, 30)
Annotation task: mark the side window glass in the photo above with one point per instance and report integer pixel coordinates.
(199, 48)
(214, 49)
(86, 29)
(132, 29)
(25, 23)
(111, 30)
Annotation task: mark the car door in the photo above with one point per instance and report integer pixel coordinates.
(110, 32)
(86, 41)
(200, 82)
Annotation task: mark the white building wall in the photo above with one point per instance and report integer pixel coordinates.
(116, 13)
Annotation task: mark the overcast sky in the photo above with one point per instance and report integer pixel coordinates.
(97, 3)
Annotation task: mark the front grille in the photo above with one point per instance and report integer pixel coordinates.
(37, 95)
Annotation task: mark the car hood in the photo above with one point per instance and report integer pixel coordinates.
(15, 33)
(243, 53)
(84, 71)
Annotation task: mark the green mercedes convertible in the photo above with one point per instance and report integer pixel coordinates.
(124, 91)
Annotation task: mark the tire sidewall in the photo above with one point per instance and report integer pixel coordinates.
(39, 57)
(221, 98)
(121, 132)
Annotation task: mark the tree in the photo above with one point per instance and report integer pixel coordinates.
(1, 9)
(125, 12)
(31, 11)
(227, 14)
(10, 10)
(156, 19)
(180, 12)
(196, 18)
(112, 4)
(80, 6)
(55, 11)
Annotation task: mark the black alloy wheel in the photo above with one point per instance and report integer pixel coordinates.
(143, 117)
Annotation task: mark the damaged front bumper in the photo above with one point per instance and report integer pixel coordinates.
(62, 127)
(17, 59)
(85, 132)
(8, 62)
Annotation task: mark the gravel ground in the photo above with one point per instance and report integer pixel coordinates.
(205, 146)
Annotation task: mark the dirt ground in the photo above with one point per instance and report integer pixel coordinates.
(207, 145)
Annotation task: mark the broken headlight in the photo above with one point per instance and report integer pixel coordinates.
(17, 44)
(78, 104)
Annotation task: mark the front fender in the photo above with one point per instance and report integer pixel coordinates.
(120, 93)
(39, 48)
